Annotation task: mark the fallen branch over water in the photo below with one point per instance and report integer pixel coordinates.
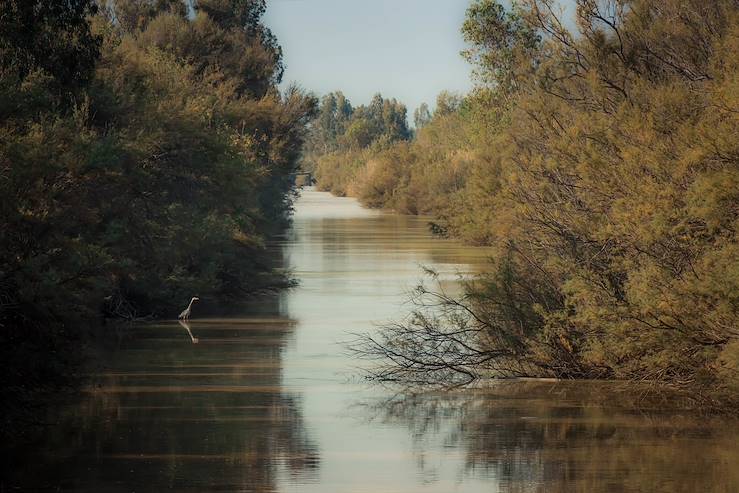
(443, 342)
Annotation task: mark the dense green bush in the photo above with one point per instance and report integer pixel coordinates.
(156, 175)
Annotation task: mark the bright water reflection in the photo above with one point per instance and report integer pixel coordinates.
(266, 401)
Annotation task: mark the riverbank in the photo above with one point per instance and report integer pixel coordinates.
(479, 329)
(606, 192)
(268, 398)
(121, 196)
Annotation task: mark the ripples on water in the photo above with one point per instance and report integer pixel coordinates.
(266, 401)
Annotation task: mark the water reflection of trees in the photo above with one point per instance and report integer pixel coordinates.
(571, 437)
(168, 414)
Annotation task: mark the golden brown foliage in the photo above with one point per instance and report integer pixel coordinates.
(607, 182)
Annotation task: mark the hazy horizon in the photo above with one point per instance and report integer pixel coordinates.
(409, 50)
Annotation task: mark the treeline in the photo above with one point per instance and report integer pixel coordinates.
(145, 156)
(342, 137)
(601, 166)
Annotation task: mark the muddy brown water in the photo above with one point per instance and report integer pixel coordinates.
(269, 400)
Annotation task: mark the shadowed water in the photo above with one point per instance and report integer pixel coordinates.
(267, 400)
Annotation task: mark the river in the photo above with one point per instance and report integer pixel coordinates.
(269, 399)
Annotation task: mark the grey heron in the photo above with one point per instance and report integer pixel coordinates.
(185, 315)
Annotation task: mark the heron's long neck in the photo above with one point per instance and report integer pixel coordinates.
(190, 305)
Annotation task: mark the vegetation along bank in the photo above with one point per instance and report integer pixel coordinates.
(600, 164)
(145, 156)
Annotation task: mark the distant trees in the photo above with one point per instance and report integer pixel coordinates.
(447, 103)
(421, 116)
(344, 133)
(340, 126)
(334, 115)
(145, 156)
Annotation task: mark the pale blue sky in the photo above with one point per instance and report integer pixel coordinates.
(407, 49)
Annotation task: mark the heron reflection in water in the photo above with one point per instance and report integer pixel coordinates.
(186, 325)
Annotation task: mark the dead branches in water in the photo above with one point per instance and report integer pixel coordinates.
(443, 342)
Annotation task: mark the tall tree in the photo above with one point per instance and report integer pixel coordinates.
(503, 45)
(421, 116)
(245, 16)
(447, 103)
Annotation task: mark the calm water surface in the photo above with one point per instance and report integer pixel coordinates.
(268, 401)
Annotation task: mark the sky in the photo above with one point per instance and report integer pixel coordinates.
(406, 49)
